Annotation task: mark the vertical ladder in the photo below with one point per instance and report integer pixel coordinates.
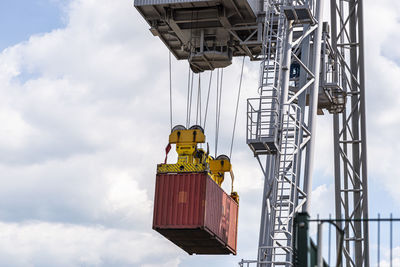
(262, 137)
(283, 199)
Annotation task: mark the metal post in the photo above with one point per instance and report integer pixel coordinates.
(286, 63)
(265, 214)
(320, 259)
(336, 144)
(302, 101)
(391, 240)
(302, 240)
(329, 242)
(379, 240)
(313, 105)
(363, 131)
(350, 148)
(355, 129)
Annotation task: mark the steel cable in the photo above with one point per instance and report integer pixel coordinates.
(208, 98)
(198, 108)
(216, 116)
(190, 100)
(187, 99)
(218, 110)
(170, 90)
(236, 111)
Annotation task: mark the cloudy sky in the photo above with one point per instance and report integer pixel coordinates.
(84, 121)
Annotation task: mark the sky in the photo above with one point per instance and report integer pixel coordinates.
(85, 119)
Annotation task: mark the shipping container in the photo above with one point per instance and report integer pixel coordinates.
(194, 213)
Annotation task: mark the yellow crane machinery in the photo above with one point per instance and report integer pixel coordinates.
(218, 168)
(190, 157)
(193, 159)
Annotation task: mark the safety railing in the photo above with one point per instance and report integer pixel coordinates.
(329, 248)
(247, 263)
(333, 78)
(262, 123)
(332, 241)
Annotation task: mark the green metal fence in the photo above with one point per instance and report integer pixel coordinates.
(327, 252)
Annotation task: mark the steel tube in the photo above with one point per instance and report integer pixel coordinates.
(320, 259)
(363, 129)
(309, 162)
(286, 64)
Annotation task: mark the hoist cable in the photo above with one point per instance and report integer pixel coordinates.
(187, 99)
(191, 99)
(219, 105)
(208, 98)
(216, 116)
(199, 99)
(220, 97)
(198, 108)
(170, 90)
(218, 111)
(236, 110)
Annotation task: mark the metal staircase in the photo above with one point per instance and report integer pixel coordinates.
(274, 130)
(263, 112)
(284, 197)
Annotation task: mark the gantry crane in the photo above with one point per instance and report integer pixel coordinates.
(308, 67)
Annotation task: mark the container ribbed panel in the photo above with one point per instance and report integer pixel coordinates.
(193, 212)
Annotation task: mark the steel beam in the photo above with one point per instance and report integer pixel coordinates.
(316, 57)
(350, 148)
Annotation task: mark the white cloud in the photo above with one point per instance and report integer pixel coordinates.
(322, 201)
(15, 132)
(382, 108)
(387, 262)
(46, 244)
(127, 199)
(78, 146)
(84, 113)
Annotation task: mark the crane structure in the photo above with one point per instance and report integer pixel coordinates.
(308, 67)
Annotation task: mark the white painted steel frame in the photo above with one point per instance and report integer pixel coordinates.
(350, 143)
(288, 173)
(351, 195)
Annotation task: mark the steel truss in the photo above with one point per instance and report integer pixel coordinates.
(281, 122)
(350, 148)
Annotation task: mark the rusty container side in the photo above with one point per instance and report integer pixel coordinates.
(233, 225)
(194, 213)
(179, 201)
(221, 215)
(214, 210)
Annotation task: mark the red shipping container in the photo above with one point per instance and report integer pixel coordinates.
(193, 212)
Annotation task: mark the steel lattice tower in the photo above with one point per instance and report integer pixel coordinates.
(329, 75)
(350, 147)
